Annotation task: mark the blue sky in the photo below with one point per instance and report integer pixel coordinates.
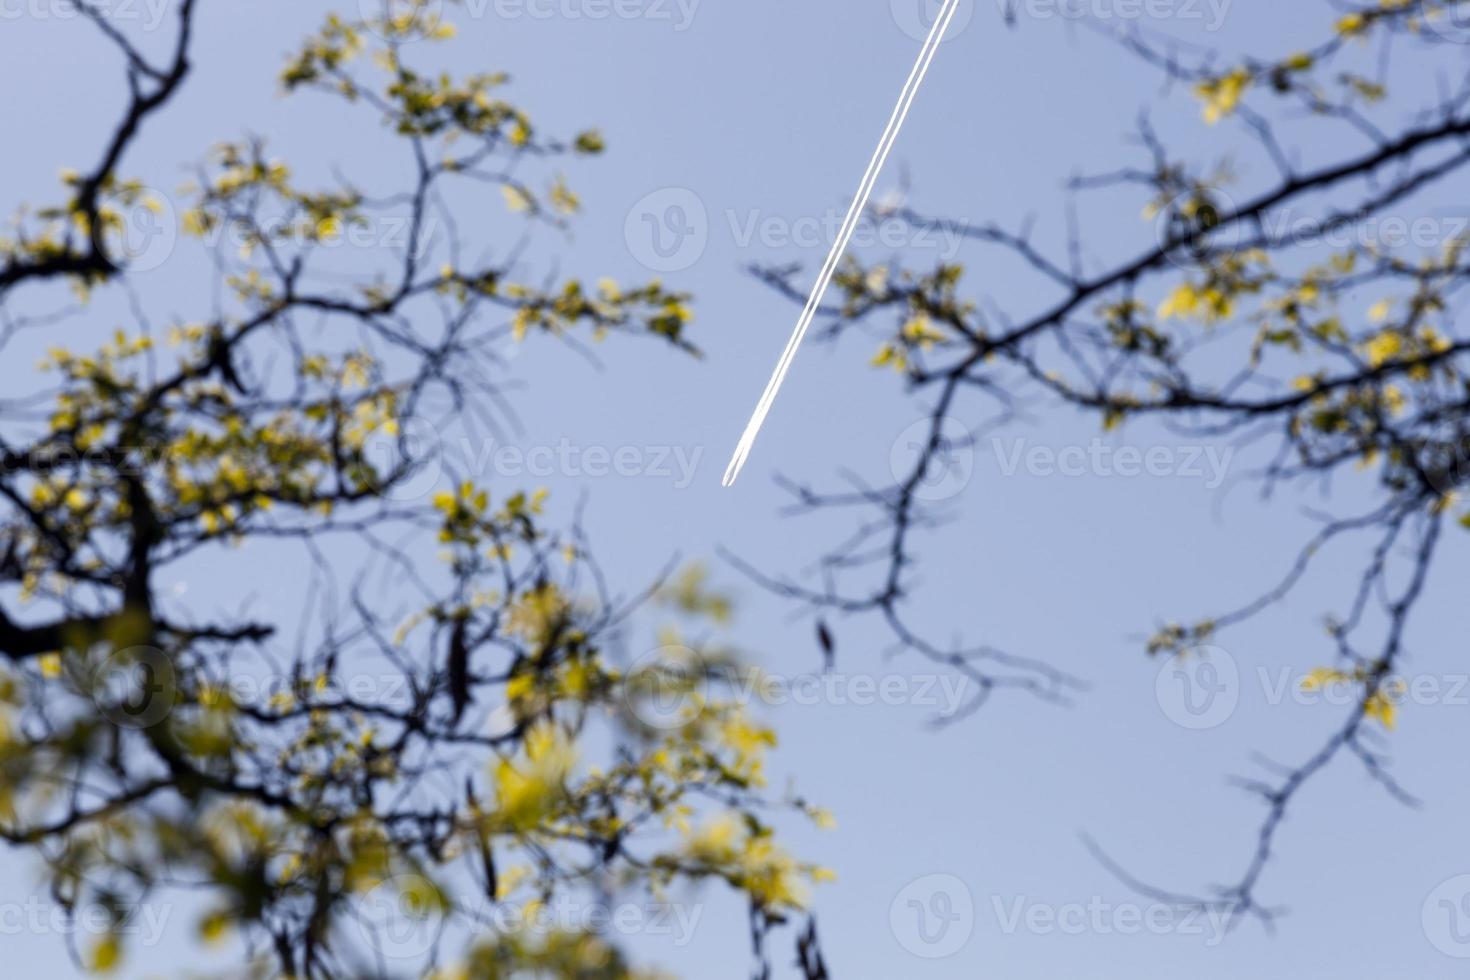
(754, 119)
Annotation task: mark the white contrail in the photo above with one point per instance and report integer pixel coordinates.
(844, 236)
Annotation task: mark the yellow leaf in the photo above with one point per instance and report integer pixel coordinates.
(213, 927)
(1381, 707)
(1320, 678)
(1222, 95)
(515, 198)
(1383, 347)
(106, 953)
